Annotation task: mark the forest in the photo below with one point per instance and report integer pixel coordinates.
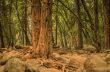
(54, 35)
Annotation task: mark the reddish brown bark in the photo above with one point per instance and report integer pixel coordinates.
(45, 38)
(42, 28)
(36, 20)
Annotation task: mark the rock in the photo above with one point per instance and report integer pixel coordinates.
(49, 70)
(7, 56)
(27, 56)
(65, 58)
(94, 63)
(78, 58)
(1, 55)
(102, 69)
(56, 55)
(14, 65)
(58, 66)
(22, 47)
(107, 51)
(89, 48)
(61, 58)
(32, 65)
(1, 68)
(47, 64)
(107, 59)
(75, 64)
(4, 50)
(80, 51)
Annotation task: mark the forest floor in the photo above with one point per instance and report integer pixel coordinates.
(20, 60)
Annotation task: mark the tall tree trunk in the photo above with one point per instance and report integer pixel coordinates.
(80, 30)
(88, 13)
(36, 21)
(1, 37)
(92, 25)
(106, 4)
(42, 27)
(96, 26)
(56, 31)
(45, 38)
(11, 42)
(25, 22)
(1, 30)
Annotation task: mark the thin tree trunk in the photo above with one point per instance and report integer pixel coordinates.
(1, 32)
(92, 25)
(96, 26)
(56, 23)
(25, 22)
(88, 13)
(11, 43)
(80, 36)
(1, 37)
(106, 4)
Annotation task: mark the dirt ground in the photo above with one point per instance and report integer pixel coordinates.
(20, 60)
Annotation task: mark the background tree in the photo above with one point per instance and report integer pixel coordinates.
(25, 22)
(106, 24)
(1, 32)
(96, 25)
(80, 30)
